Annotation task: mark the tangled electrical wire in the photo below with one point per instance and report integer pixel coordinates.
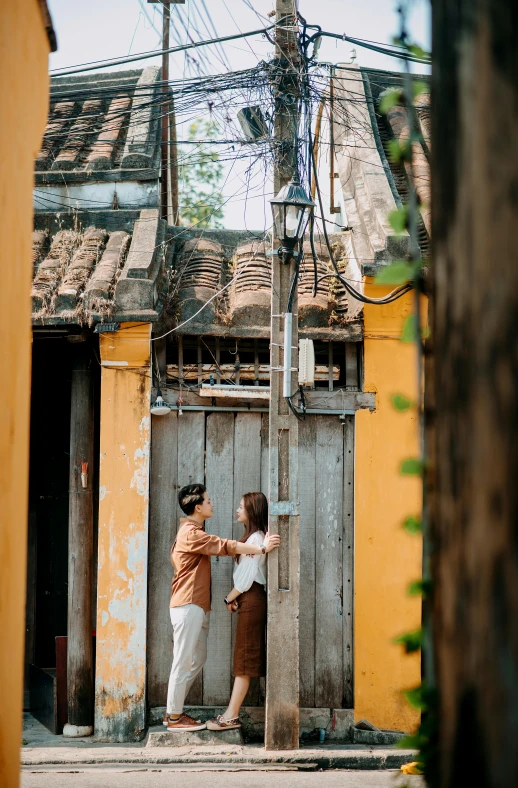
(311, 91)
(222, 95)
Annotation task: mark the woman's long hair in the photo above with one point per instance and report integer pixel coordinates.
(256, 508)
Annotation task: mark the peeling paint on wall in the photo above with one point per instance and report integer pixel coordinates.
(123, 541)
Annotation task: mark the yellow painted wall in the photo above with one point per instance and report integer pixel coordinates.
(123, 533)
(24, 91)
(387, 559)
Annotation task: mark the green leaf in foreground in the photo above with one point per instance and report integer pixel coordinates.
(399, 151)
(411, 641)
(398, 219)
(419, 86)
(389, 99)
(413, 466)
(415, 698)
(395, 274)
(409, 333)
(414, 741)
(412, 525)
(401, 403)
(418, 51)
(413, 49)
(420, 588)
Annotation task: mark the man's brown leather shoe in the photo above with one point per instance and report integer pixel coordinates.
(185, 723)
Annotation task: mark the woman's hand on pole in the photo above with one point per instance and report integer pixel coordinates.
(271, 542)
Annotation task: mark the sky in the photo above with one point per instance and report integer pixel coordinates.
(100, 29)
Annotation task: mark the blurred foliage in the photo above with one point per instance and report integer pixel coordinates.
(413, 466)
(401, 403)
(200, 173)
(411, 641)
(412, 525)
(404, 219)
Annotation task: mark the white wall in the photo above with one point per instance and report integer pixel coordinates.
(96, 195)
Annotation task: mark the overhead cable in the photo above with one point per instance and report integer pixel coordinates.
(93, 66)
(146, 55)
(391, 52)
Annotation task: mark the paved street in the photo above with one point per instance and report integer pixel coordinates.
(167, 776)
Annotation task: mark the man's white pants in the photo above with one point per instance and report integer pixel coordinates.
(191, 630)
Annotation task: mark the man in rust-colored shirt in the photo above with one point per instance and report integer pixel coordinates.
(191, 597)
(190, 557)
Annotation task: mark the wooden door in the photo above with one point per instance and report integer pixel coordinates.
(230, 452)
(326, 491)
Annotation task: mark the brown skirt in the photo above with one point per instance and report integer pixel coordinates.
(250, 647)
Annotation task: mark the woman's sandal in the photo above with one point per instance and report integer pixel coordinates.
(220, 724)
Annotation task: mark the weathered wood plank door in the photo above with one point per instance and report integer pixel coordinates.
(229, 452)
(220, 483)
(326, 484)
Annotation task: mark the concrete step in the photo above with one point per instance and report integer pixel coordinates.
(159, 737)
(349, 756)
(379, 737)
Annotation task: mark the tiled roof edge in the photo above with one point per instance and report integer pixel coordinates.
(400, 74)
(377, 139)
(365, 182)
(131, 77)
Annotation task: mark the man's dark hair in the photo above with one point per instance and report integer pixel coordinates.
(190, 496)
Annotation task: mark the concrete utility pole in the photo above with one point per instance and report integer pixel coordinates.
(169, 157)
(282, 682)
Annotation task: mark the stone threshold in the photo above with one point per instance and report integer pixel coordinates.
(336, 723)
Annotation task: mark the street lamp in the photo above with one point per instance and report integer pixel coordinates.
(291, 211)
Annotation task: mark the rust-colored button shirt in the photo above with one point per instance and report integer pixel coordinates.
(190, 557)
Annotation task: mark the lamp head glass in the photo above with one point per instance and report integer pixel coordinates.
(291, 211)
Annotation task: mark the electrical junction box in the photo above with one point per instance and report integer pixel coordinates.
(252, 122)
(306, 363)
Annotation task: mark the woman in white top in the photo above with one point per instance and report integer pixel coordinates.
(248, 598)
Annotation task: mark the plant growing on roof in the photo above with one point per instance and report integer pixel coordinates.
(200, 173)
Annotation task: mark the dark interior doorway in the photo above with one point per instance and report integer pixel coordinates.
(47, 557)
